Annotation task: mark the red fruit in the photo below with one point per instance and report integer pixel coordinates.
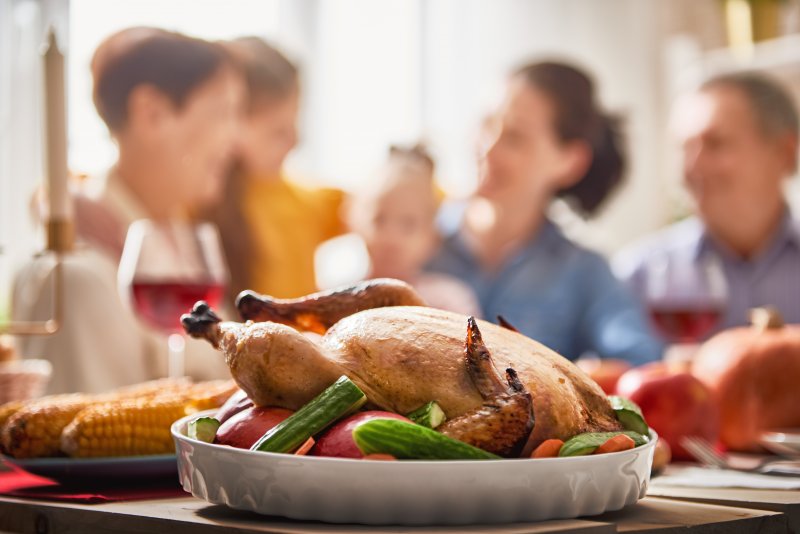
(605, 372)
(338, 441)
(246, 427)
(235, 404)
(674, 403)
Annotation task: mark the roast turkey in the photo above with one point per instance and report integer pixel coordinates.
(403, 355)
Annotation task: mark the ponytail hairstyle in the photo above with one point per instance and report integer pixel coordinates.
(578, 118)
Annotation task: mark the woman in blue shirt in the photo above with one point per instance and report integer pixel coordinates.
(548, 139)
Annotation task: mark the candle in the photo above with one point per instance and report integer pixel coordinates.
(56, 132)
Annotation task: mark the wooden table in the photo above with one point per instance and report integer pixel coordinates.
(192, 516)
(786, 502)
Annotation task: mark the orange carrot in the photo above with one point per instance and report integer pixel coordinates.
(305, 447)
(379, 456)
(618, 443)
(548, 449)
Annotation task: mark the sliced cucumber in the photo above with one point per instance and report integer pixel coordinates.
(430, 415)
(587, 443)
(410, 441)
(338, 400)
(629, 414)
(203, 429)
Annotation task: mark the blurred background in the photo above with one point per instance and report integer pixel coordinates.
(375, 73)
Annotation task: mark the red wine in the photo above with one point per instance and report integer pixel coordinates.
(161, 304)
(685, 323)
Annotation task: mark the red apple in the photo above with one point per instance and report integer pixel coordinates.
(246, 427)
(605, 372)
(338, 441)
(674, 403)
(235, 404)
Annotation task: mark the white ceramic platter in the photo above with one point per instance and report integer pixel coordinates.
(411, 492)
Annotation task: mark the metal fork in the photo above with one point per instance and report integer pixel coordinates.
(706, 454)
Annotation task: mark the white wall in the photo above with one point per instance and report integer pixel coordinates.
(23, 27)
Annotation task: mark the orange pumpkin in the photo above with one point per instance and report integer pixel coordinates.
(755, 374)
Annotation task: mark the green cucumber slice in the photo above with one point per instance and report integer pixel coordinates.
(587, 443)
(410, 441)
(341, 398)
(431, 415)
(629, 414)
(203, 429)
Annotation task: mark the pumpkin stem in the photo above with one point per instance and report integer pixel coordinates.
(766, 318)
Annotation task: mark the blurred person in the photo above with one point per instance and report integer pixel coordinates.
(271, 226)
(172, 104)
(548, 139)
(739, 134)
(396, 218)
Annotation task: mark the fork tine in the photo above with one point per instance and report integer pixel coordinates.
(709, 449)
(703, 451)
(696, 452)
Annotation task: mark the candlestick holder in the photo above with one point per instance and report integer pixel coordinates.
(60, 228)
(60, 240)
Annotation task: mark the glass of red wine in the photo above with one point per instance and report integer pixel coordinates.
(685, 299)
(165, 268)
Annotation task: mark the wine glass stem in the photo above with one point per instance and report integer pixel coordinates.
(177, 353)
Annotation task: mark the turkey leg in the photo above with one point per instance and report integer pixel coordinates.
(505, 420)
(274, 364)
(319, 311)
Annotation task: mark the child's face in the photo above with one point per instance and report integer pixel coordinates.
(398, 229)
(269, 134)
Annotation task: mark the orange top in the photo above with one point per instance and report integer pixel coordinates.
(287, 223)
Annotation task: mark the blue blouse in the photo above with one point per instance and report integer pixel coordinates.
(559, 294)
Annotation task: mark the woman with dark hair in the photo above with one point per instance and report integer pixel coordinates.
(270, 225)
(548, 139)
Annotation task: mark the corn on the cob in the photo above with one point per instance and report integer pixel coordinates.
(6, 411)
(210, 394)
(35, 430)
(124, 428)
(152, 388)
(138, 426)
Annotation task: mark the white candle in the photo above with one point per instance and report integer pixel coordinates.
(56, 132)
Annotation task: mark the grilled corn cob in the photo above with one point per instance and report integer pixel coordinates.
(210, 394)
(152, 388)
(124, 428)
(35, 430)
(6, 411)
(138, 426)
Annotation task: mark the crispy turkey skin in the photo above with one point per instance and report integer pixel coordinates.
(403, 357)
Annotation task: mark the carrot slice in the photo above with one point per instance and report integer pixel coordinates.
(380, 456)
(548, 449)
(305, 447)
(618, 443)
